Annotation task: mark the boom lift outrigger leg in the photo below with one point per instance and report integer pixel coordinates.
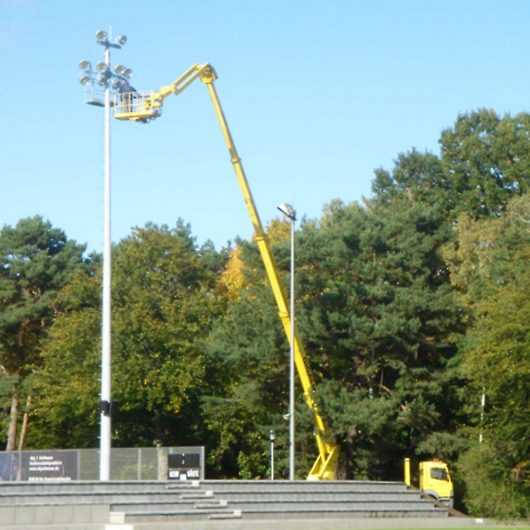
(147, 106)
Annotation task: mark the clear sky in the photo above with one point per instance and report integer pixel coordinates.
(318, 94)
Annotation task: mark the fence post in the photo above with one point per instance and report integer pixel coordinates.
(161, 454)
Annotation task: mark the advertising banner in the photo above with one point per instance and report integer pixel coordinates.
(39, 465)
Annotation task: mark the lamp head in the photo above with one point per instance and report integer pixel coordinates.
(288, 211)
(102, 79)
(121, 39)
(101, 36)
(84, 79)
(85, 65)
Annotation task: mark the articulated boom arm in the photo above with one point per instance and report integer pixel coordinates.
(147, 106)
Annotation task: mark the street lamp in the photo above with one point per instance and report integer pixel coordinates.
(482, 411)
(290, 213)
(272, 437)
(108, 80)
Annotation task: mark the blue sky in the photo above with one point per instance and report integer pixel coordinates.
(317, 93)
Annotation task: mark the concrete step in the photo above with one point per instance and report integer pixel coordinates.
(97, 486)
(340, 514)
(164, 515)
(198, 495)
(284, 504)
(232, 514)
(67, 526)
(309, 496)
(129, 507)
(58, 498)
(264, 513)
(284, 486)
(66, 514)
(277, 524)
(211, 505)
(332, 506)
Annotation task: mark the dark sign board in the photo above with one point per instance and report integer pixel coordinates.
(184, 466)
(49, 465)
(39, 465)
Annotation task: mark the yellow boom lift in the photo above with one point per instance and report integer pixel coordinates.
(145, 106)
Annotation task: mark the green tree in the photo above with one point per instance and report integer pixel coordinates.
(247, 347)
(164, 301)
(497, 359)
(490, 267)
(487, 160)
(484, 161)
(415, 174)
(248, 369)
(66, 388)
(380, 319)
(36, 261)
(164, 305)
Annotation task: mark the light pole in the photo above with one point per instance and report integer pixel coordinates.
(272, 437)
(482, 410)
(290, 213)
(107, 79)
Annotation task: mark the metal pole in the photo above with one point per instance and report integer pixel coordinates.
(272, 437)
(482, 409)
(118, 80)
(105, 412)
(291, 365)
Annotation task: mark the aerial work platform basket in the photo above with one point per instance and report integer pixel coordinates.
(137, 106)
(95, 96)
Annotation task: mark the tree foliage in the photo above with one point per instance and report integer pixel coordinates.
(484, 161)
(383, 318)
(163, 304)
(246, 376)
(36, 261)
(492, 264)
(409, 306)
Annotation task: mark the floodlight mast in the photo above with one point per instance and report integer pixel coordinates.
(143, 107)
(106, 79)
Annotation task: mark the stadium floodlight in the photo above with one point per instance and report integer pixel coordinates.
(121, 39)
(119, 69)
(127, 73)
(85, 78)
(101, 66)
(101, 35)
(85, 65)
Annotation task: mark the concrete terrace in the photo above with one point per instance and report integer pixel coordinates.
(211, 504)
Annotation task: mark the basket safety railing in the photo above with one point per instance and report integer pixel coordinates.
(94, 95)
(137, 106)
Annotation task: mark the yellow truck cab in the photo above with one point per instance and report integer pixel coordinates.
(435, 481)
